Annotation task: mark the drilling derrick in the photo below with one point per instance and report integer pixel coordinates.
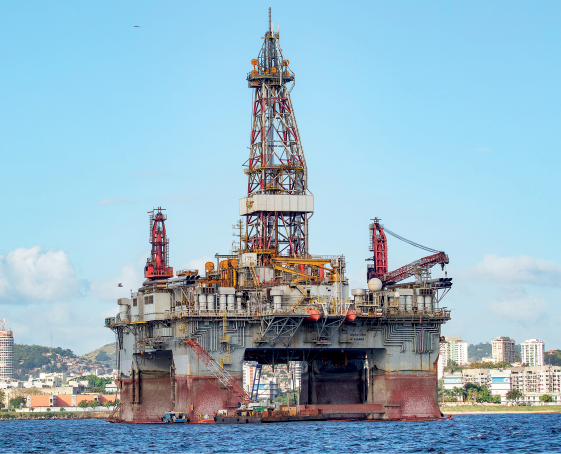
(278, 202)
(157, 266)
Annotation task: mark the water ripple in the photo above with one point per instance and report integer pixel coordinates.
(465, 433)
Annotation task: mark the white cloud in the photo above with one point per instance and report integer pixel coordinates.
(485, 150)
(33, 275)
(198, 264)
(105, 202)
(516, 270)
(71, 325)
(516, 305)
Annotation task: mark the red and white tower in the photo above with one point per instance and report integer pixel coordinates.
(157, 265)
(278, 203)
(379, 246)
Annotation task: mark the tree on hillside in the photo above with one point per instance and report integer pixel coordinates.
(514, 394)
(546, 398)
(16, 401)
(478, 351)
(28, 358)
(102, 357)
(96, 382)
(553, 358)
(486, 365)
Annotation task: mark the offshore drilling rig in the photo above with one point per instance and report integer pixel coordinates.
(366, 353)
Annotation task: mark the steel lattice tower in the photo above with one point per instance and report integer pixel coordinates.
(278, 202)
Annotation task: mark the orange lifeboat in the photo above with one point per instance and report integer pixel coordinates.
(313, 315)
(351, 315)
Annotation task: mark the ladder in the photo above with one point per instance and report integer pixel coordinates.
(256, 381)
(226, 339)
(254, 274)
(304, 295)
(225, 378)
(113, 416)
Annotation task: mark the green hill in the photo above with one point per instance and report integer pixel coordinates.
(105, 355)
(30, 358)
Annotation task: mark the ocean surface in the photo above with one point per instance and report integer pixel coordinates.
(465, 433)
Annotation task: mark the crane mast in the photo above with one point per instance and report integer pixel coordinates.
(157, 265)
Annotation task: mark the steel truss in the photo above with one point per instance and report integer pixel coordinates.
(279, 328)
(276, 165)
(273, 230)
(326, 328)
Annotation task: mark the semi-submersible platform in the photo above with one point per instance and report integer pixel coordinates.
(366, 353)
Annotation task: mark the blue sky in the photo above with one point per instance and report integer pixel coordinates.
(442, 118)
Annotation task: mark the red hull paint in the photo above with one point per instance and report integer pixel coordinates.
(406, 396)
(199, 396)
(341, 394)
(347, 392)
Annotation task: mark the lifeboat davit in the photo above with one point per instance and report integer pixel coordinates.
(313, 315)
(351, 315)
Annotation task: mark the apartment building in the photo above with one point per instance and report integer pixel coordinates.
(504, 349)
(532, 352)
(453, 349)
(533, 382)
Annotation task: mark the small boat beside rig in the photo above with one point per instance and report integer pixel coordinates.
(260, 413)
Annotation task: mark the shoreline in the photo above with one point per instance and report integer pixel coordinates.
(498, 412)
(56, 416)
(498, 409)
(471, 410)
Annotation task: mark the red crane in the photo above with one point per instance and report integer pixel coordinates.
(157, 265)
(379, 269)
(378, 245)
(410, 270)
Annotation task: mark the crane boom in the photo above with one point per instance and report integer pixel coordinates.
(409, 270)
(379, 269)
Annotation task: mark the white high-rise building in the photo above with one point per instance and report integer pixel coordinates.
(248, 370)
(295, 371)
(6, 352)
(453, 349)
(532, 352)
(504, 349)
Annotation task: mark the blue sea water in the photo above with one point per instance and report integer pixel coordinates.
(465, 433)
